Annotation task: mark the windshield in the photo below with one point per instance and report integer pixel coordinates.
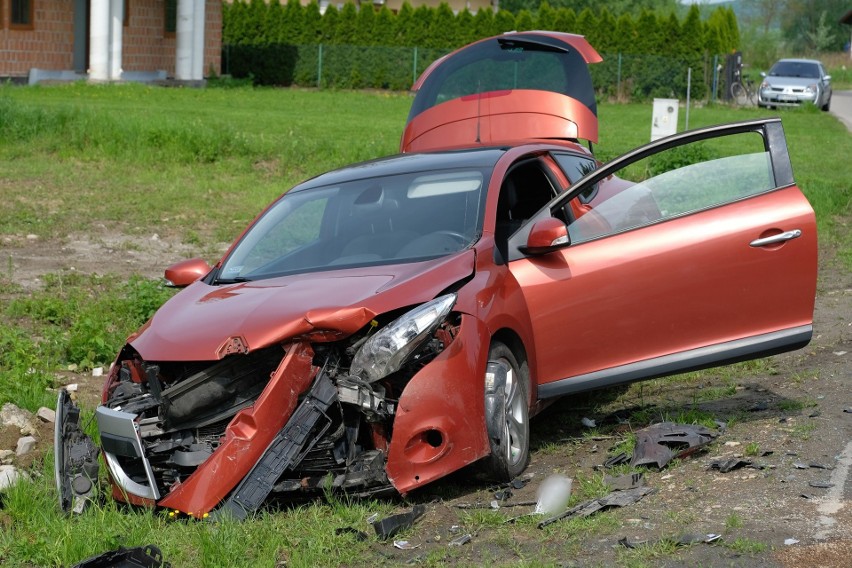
(801, 69)
(374, 221)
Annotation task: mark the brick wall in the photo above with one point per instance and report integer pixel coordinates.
(145, 45)
(50, 45)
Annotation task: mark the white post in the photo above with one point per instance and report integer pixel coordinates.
(183, 50)
(198, 42)
(99, 41)
(116, 28)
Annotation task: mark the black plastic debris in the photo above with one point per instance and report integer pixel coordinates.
(624, 482)
(631, 543)
(389, 526)
(724, 466)
(821, 484)
(519, 483)
(819, 466)
(660, 443)
(360, 536)
(614, 499)
(138, 557)
(75, 458)
(616, 460)
(461, 540)
(503, 494)
(848, 410)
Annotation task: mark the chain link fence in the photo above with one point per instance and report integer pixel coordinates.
(622, 77)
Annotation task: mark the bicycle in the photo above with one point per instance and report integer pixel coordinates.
(743, 93)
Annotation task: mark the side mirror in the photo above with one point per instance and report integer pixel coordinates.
(546, 235)
(186, 272)
(827, 77)
(763, 74)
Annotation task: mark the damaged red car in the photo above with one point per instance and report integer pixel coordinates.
(385, 324)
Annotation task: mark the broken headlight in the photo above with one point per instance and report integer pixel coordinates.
(385, 352)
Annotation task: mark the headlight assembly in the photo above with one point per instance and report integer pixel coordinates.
(386, 351)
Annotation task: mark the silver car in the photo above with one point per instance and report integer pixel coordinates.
(791, 82)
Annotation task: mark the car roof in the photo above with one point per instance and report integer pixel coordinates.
(794, 60)
(479, 157)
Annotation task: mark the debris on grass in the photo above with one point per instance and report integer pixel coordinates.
(389, 526)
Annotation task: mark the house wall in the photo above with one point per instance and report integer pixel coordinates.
(148, 47)
(145, 44)
(49, 45)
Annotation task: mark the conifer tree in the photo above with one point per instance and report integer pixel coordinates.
(524, 21)
(442, 28)
(366, 24)
(464, 29)
(347, 25)
(312, 24)
(404, 25)
(565, 20)
(546, 17)
(504, 21)
(483, 24)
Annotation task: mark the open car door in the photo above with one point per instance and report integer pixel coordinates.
(516, 86)
(692, 251)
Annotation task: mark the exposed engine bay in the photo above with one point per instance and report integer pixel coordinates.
(162, 422)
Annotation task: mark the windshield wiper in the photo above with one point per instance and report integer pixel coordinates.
(234, 280)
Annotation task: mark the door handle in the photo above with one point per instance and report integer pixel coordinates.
(779, 238)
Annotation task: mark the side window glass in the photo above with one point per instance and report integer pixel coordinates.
(575, 167)
(526, 189)
(676, 182)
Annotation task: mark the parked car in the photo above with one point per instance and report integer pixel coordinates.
(791, 82)
(385, 324)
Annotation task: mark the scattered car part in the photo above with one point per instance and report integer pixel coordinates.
(138, 557)
(615, 460)
(75, 458)
(389, 526)
(730, 464)
(821, 484)
(658, 444)
(461, 540)
(624, 482)
(614, 499)
(405, 545)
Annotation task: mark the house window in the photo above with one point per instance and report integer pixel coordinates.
(171, 16)
(22, 15)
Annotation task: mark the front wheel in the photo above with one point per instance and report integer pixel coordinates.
(739, 94)
(506, 414)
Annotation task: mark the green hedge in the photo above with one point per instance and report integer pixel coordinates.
(277, 44)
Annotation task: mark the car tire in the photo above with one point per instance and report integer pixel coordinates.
(506, 414)
(827, 105)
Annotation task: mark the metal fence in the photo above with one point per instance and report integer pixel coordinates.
(624, 77)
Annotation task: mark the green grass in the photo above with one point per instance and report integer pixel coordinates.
(196, 166)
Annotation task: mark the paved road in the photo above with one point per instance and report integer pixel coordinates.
(841, 107)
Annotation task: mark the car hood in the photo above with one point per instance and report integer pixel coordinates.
(205, 322)
(798, 82)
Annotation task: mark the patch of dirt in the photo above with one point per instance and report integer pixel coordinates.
(26, 258)
(791, 413)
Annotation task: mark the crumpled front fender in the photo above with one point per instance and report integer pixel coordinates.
(440, 422)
